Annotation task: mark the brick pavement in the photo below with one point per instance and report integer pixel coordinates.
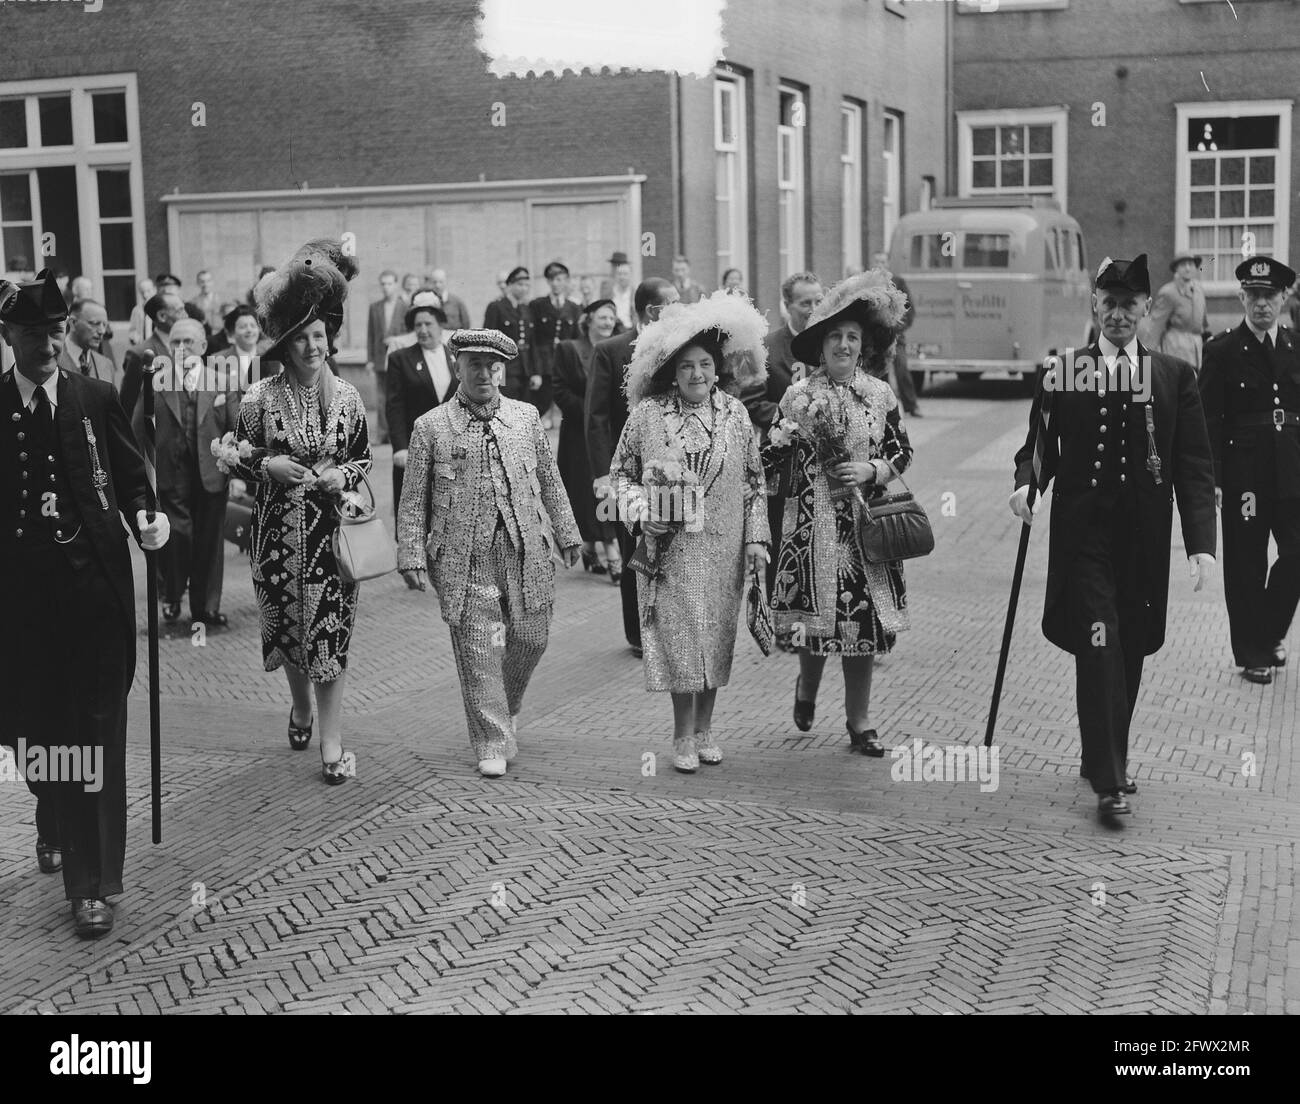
(794, 877)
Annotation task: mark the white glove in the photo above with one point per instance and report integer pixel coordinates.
(1019, 503)
(1201, 568)
(603, 487)
(153, 537)
(399, 458)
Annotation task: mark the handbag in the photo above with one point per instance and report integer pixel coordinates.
(362, 547)
(759, 614)
(894, 527)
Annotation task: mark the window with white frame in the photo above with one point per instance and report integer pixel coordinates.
(71, 195)
(791, 126)
(731, 187)
(850, 185)
(1233, 182)
(891, 155)
(1014, 152)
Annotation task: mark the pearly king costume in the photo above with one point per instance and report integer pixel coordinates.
(826, 593)
(483, 509)
(689, 612)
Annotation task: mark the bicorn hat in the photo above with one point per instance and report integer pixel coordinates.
(32, 304)
(1124, 275)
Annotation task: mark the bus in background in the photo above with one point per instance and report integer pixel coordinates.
(998, 283)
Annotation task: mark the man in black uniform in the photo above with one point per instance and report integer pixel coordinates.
(509, 315)
(554, 319)
(1125, 433)
(1250, 385)
(69, 475)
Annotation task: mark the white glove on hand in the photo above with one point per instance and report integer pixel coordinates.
(1019, 503)
(153, 537)
(1201, 568)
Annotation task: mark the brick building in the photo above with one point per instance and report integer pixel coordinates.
(221, 135)
(1161, 125)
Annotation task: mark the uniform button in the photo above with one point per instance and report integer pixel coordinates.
(24, 493)
(22, 513)
(1103, 410)
(1275, 387)
(19, 533)
(1103, 427)
(23, 473)
(1093, 482)
(21, 435)
(58, 533)
(1243, 383)
(1097, 464)
(22, 456)
(50, 459)
(1277, 401)
(51, 477)
(1101, 448)
(1121, 479)
(1123, 459)
(16, 418)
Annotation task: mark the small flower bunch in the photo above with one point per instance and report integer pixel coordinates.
(230, 453)
(672, 491)
(821, 420)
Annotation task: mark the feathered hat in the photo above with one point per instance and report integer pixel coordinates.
(312, 285)
(869, 298)
(728, 323)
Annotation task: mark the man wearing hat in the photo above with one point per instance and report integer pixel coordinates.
(509, 315)
(1177, 325)
(554, 319)
(69, 475)
(618, 287)
(483, 510)
(419, 378)
(1122, 436)
(1250, 385)
(164, 308)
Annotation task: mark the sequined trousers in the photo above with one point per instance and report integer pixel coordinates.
(497, 644)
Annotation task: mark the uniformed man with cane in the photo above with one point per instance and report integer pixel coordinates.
(1250, 385)
(1126, 434)
(69, 475)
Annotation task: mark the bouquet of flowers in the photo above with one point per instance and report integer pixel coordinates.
(672, 491)
(229, 452)
(822, 421)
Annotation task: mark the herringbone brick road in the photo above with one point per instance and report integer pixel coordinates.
(794, 877)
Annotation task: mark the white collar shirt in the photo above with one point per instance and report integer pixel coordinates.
(27, 390)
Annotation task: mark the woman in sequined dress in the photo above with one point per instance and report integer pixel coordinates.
(827, 600)
(309, 446)
(681, 414)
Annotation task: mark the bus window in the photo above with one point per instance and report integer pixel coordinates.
(986, 251)
(1069, 249)
(1050, 262)
(1083, 258)
(927, 252)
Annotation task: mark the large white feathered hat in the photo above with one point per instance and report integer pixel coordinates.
(727, 325)
(869, 298)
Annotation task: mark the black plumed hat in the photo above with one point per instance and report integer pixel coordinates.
(311, 286)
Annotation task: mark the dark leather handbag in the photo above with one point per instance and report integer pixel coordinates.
(894, 527)
(759, 614)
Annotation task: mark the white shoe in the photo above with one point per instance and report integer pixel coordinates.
(707, 748)
(492, 768)
(684, 757)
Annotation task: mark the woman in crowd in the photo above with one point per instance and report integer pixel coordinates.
(733, 282)
(826, 597)
(683, 421)
(140, 326)
(572, 366)
(306, 445)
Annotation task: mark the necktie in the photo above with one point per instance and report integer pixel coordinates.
(1268, 343)
(85, 363)
(44, 411)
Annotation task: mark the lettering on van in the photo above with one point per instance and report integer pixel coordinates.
(987, 305)
(934, 306)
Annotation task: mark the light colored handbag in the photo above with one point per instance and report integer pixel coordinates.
(363, 548)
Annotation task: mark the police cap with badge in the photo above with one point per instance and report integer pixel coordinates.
(1265, 273)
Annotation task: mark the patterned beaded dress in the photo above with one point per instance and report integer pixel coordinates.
(690, 614)
(825, 593)
(307, 610)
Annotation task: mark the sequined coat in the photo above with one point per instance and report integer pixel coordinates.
(818, 556)
(690, 614)
(307, 610)
(441, 490)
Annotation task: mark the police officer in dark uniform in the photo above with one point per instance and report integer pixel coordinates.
(69, 475)
(1250, 385)
(554, 319)
(510, 316)
(1123, 437)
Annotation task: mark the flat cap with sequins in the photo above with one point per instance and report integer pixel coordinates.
(482, 341)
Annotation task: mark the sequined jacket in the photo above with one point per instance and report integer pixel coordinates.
(441, 488)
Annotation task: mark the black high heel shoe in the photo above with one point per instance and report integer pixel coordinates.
(868, 743)
(615, 568)
(804, 711)
(299, 736)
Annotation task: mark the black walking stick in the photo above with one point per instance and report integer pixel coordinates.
(151, 585)
(1041, 426)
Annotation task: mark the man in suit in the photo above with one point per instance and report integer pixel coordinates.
(904, 386)
(1250, 385)
(69, 476)
(80, 353)
(554, 319)
(384, 322)
(194, 407)
(605, 414)
(688, 289)
(1124, 434)
(800, 293)
(483, 513)
(618, 287)
(208, 305)
(454, 308)
(163, 309)
(419, 378)
(509, 315)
